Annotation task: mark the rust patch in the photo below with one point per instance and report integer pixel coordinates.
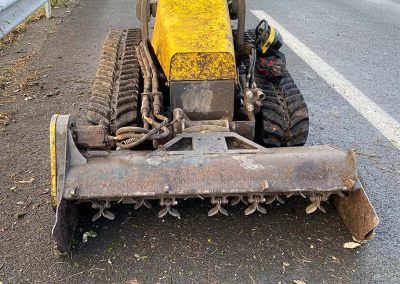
(248, 163)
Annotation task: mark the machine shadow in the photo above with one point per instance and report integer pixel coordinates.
(138, 239)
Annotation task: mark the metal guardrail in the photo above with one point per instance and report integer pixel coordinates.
(13, 12)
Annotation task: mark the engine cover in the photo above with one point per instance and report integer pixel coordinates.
(193, 40)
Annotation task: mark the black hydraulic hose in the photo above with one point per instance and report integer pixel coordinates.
(253, 67)
(145, 108)
(145, 70)
(154, 83)
(129, 137)
(250, 71)
(148, 135)
(241, 23)
(154, 80)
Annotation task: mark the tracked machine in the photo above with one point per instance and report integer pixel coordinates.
(202, 110)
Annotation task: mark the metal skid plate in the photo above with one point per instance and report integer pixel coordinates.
(357, 214)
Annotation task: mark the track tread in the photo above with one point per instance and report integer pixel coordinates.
(283, 119)
(115, 91)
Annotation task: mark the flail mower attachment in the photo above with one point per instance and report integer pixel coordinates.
(221, 166)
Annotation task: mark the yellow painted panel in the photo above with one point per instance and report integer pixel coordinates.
(193, 40)
(202, 66)
(53, 160)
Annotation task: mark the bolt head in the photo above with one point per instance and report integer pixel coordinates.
(250, 107)
(249, 94)
(264, 185)
(166, 188)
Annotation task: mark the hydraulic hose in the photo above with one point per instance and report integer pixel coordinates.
(241, 23)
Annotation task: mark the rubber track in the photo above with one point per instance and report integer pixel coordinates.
(115, 91)
(284, 116)
(296, 110)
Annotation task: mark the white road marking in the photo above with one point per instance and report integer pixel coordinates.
(383, 121)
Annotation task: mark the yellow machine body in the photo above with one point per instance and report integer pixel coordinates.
(193, 40)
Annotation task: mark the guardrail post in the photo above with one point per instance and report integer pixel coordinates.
(47, 6)
(14, 12)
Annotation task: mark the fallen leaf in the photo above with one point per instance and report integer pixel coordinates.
(140, 257)
(351, 245)
(58, 253)
(88, 234)
(45, 191)
(26, 181)
(56, 93)
(298, 282)
(21, 215)
(28, 204)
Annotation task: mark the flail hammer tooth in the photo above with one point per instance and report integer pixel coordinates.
(271, 199)
(218, 201)
(340, 194)
(194, 196)
(316, 203)
(237, 199)
(127, 200)
(142, 202)
(255, 201)
(102, 206)
(168, 203)
(290, 194)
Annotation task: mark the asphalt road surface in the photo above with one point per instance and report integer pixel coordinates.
(49, 69)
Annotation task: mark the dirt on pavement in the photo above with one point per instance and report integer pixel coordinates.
(35, 82)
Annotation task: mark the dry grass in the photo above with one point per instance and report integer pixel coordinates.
(57, 2)
(12, 73)
(39, 14)
(10, 37)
